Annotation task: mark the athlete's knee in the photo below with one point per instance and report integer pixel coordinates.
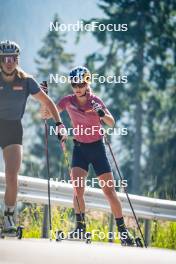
(109, 192)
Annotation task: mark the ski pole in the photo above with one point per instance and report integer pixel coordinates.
(47, 165)
(121, 178)
(101, 114)
(65, 152)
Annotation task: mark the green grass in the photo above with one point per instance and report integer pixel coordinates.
(163, 234)
(62, 219)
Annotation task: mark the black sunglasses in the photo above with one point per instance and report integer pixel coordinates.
(79, 85)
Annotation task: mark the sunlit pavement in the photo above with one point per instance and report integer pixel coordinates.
(66, 252)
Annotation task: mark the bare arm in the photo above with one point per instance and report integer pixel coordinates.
(48, 104)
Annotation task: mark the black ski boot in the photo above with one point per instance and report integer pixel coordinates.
(126, 238)
(79, 232)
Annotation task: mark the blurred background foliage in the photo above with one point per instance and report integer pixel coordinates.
(146, 53)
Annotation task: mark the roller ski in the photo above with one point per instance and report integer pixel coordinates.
(79, 234)
(128, 240)
(9, 229)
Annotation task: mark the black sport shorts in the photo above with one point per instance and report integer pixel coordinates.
(11, 132)
(91, 153)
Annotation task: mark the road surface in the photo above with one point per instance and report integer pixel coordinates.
(37, 251)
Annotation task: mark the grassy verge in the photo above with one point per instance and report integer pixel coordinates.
(163, 234)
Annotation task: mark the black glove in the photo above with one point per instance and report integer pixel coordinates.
(61, 131)
(98, 108)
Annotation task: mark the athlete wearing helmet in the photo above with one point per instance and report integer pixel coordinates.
(15, 87)
(86, 110)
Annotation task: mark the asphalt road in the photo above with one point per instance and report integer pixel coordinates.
(38, 251)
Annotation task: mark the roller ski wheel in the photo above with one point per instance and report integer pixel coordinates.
(60, 236)
(88, 238)
(20, 232)
(132, 243)
(138, 242)
(127, 244)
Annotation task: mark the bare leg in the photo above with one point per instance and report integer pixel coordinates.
(110, 193)
(79, 176)
(12, 157)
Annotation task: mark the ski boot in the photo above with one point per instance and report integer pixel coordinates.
(127, 239)
(9, 229)
(79, 232)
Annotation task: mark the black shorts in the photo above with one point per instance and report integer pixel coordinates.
(11, 132)
(91, 153)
